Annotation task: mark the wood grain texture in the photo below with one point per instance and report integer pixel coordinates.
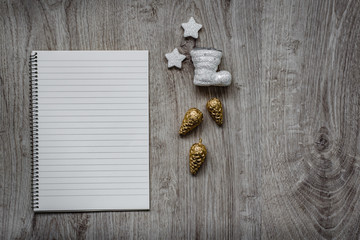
(285, 164)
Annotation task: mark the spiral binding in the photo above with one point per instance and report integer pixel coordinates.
(34, 120)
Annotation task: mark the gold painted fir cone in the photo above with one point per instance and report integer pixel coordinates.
(215, 109)
(197, 156)
(193, 117)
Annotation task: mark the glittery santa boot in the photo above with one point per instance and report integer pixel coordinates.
(206, 62)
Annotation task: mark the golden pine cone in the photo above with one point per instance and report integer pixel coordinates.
(193, 117)
(215, 109)
(197, 156)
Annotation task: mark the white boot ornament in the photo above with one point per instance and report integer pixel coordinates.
(206, 62)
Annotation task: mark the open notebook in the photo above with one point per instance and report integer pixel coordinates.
(90, 130)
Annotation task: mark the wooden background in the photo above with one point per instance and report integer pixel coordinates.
(285, 164)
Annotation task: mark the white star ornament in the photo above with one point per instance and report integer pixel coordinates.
(191, 28)
(174, 58)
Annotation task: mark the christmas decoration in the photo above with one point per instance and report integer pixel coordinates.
(206, 62)
(215, 109)
(175, 58)
(193, 117)
(197, 156)
(191, 28)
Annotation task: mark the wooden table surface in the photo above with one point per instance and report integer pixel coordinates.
(285, 164)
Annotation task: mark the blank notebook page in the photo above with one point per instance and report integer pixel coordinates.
(93, 130)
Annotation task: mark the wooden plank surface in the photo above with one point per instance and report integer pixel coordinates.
(285, 164)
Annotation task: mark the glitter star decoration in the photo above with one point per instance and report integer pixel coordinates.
(191, 28)
(175, 58)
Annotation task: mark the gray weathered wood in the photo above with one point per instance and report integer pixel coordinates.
(285, 164)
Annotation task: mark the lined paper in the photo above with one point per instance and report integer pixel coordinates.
(93, 126)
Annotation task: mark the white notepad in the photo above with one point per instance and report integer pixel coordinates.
(90, 130)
